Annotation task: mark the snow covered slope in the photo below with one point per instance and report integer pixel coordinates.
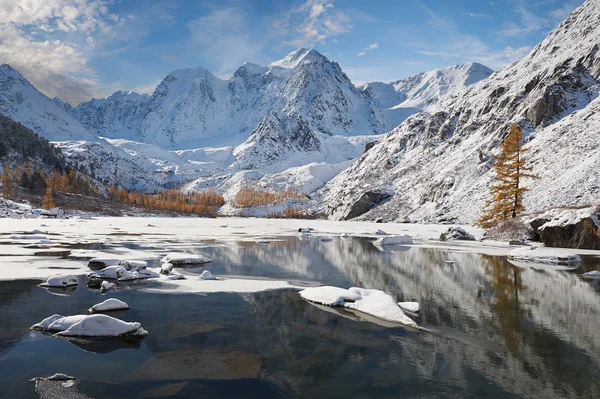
(436, 166)
(23, 103)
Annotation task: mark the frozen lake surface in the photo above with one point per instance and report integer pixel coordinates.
(496, 329)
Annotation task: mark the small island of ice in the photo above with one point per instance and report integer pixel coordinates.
(373, 302)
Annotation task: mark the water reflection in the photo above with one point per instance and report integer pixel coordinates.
(497, 330)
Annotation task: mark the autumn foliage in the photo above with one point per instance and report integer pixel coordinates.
(507, 190)
(252, 197)
(48, 201)
(8, 189)
(202, 203)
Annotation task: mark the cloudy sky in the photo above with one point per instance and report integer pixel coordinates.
(79, 49)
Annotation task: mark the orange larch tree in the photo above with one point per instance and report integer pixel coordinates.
(507, 190)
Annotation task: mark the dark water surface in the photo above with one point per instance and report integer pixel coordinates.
(498, 331)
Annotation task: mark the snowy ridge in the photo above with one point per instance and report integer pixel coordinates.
(22, 102)
(551, 93)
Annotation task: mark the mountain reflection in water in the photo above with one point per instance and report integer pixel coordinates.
(497, 330)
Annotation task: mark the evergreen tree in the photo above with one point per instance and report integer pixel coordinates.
(8, 188)
(507, 191)
(48, 201)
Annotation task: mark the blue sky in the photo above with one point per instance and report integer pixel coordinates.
(77, 49)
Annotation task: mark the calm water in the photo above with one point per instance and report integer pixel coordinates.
(497, 331)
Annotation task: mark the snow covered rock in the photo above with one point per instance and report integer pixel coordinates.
(166, 268)
(100, 263)
(544, 255)
(61, 281)
(573, 228)
(106, 286)
(20, 237)
(413, 307)
(55, 377)
(110, 272)
(206, 275)
(592, 275)
(111, 304)
(379, 232)
(457, 233)
(373, 302)
(394, 240)
(97, 325)
(326, 239)
(134, 265)
(185, 259)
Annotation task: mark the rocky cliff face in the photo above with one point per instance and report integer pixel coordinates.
(437, 164)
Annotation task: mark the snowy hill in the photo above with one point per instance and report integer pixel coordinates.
(436, 165)
(22, 102)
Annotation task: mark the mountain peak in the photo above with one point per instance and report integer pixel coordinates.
(298, 56)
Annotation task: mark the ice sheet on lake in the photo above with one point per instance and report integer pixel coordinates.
(373, 302)
(545, 255)
(232, 285)
(185, 259)
(394, 240)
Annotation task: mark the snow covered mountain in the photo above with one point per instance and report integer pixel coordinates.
(23, 103)
(436, 165)
(405, 97)
(192, 108)
(294, 123)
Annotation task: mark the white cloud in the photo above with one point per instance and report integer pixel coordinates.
(564, 11)
(371, 47)
(313, 22)
(32, 41)
(530, 22)
(223, 37)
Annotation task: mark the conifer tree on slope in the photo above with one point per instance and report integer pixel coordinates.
(507, 190)
(7, 184)
(48, 201)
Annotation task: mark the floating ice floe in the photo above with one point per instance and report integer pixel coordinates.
(544, 255)
(185, 259)
(593, 275)
(394, 240)
(105, 286)
(65, 280)
(96, 325)
(413, 307)
(111, 304)
(373, 302)
(207, 275)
